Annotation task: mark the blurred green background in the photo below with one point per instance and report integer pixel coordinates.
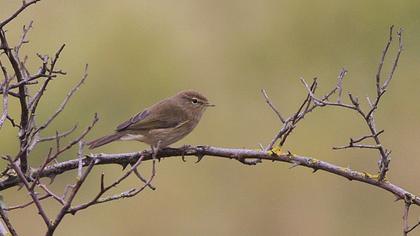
(142, 51)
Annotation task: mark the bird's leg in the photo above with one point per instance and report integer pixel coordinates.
(155, 150)
(152, 148)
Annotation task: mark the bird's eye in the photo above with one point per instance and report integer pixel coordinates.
(194, 101)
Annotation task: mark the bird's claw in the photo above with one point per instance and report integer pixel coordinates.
(199, 158)
(184, 149)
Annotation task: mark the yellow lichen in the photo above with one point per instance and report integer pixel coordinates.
(370, 176)
(275, 151)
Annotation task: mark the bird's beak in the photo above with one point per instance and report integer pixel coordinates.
(209, 105)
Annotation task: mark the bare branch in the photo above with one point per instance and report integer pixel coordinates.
(130, 193)
(21, 206)
(34, 102)
(142, 179)
(23, 38)
(35, 181)
(24, 113)
(412, 227)
(397, 58)
(340, 78)
(268, 101)
(64, 103)
(76, 140)
(63, 211)
(369, 115)
(405, 218)
(6, 220)
(353, 145)
(5, 90)
(18, 11)
(368, 136)
(33, 195)
(290, 123)
(228, 153)
(58, 135)
(381, 62)
(50, 193)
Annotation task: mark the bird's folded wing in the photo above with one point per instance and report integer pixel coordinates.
(145, 121)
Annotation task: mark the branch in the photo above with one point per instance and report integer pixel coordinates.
(64, 103)
(63, 211)
(124, 159)
(24, 113)
(270, 103)
(32, 193)
(18, 11)
(290, 123)
(6, 220)
(5, 91)
(21, 206)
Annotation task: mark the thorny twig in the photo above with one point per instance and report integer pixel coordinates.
(32, 193)
(25, 4)
(369, 115)
(270, 103)
(290, 123)
(52, 227)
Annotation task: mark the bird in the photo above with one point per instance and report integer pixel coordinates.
(161, 124)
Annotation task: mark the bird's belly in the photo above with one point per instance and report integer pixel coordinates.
(168, 136)
(132, 137)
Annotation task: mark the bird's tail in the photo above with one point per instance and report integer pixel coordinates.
(105, 140)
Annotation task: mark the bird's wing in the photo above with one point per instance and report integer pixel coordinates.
(165, 117)
(137, 118)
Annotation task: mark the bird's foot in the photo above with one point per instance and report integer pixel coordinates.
(184, 150)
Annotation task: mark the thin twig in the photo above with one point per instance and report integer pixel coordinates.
(60, 135)
(49, 192)
(23, 38)
(353, 145)
(18, 11)
(270, 103)
(381, 62)
(35, 101)
(413, 227)
(33, 195)
(70, 199)
(6, 220)
(130, 193)
(21, 206)
(405, 218)
(64, 103)
(5, 89)
(340, 78)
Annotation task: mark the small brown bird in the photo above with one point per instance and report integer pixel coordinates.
(164, 122)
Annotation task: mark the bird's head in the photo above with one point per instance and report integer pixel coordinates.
(193, 101)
